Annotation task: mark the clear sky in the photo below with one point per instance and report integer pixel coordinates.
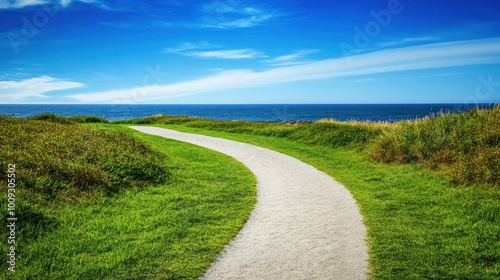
(241, 51)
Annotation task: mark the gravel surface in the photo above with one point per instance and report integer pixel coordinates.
(305, 225)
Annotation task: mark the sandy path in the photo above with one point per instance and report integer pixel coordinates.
(305, 225)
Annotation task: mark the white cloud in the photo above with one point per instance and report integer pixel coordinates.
(362, 80)
(408, 41)
(291, 59)
(227, 54)
(181, 48)
(193, 50)
(34, 87)
(430, 56)
(230, 8)
(19, 4)
(65, 3)
(240, 23)
(227, 16)
(189, 46)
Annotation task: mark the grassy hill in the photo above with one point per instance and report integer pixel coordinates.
(101, 201)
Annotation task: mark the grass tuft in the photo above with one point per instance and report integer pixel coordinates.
(87, 119)
(49, 117)
(466, 145)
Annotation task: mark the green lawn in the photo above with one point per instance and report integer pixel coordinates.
(169, 231)
(427, 189)
(421, 224)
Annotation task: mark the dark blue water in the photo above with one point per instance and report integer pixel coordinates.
(272, 113)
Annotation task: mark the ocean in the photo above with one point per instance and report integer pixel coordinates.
(270, 113)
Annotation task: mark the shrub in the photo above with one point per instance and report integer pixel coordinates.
(88, 119)
(48, 117)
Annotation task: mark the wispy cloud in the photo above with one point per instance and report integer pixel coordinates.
(199, 50)
(240, 23)
(429, 56)
(405, 41)
(226, 16)
(450, 74)
(189, 46)
(294, 58)
(362, 80)
(34, 87)
(19, 4)
(227, 54)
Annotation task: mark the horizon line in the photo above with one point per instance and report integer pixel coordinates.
(353, 103)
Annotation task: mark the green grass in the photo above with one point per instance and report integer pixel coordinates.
(426, 189)
(466, 145)
(422, 224)
(68, 120)
(58, 159)
(330, 134)
(158, 230)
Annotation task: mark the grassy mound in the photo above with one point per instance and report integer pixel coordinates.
(58, 163)
(87, 119)
(465, 145)
(68, 120)
(51, 118)
(170, 231)
(56, 159)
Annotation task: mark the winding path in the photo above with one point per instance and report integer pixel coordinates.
(305, 225)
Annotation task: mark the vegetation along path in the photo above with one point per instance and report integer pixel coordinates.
(305, 225)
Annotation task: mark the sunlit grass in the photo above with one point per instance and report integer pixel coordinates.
(466, 145)
(421, 225)
(423, 221)
(427, 189)
(57, 159)
(146, 228)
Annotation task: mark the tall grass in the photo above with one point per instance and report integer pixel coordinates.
(326, 133)
(56, 159)
(69, 229)
(68, 120)
(465, 145)
(60, 163)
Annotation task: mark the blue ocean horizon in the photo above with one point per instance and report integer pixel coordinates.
(245, 112)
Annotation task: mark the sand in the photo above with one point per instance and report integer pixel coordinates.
(305, 225)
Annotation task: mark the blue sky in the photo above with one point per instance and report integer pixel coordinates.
(239, 51)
